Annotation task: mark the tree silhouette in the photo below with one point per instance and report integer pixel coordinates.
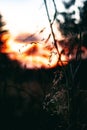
(70, 26)
(69, 3)
(2, 30)
(83, 15)
(75, 33)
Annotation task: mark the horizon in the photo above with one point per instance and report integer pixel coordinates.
(29, 26)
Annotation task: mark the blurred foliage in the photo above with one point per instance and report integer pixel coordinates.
(3, 32)
(63, 95)
(56, 97)
(70, 24)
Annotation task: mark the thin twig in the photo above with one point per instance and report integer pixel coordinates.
(50, 23)
(56, 12)
(54, 40)
(78, 54)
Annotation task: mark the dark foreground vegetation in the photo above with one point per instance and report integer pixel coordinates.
(32, 100)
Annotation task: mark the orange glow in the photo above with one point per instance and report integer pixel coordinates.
(39, 54)
(33, 54)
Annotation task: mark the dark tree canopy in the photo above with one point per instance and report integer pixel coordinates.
(2, 24)
(83, 16)
(2, 30)
(69, 3)
(70, 26)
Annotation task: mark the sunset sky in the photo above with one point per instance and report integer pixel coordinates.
(25, 15)
(28, 15)
(21, 15)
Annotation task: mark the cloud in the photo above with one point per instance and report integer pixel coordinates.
(26, 37)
